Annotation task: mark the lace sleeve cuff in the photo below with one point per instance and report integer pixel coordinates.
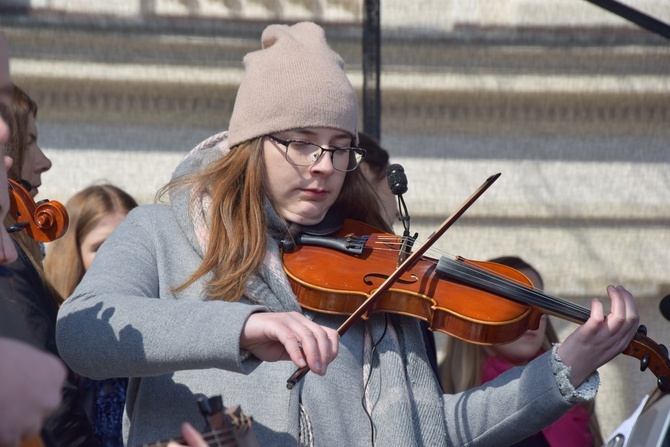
(585, 392)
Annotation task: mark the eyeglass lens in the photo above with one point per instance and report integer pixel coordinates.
(306, 154)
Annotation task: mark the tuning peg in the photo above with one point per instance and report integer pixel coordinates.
(18, 226)
(216, 403)
(204, 406)
(210, 406)
(642, 329)
(664, 348)
(644, 362)
(25, 183)
(663, 383)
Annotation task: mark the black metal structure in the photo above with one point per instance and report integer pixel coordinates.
(371, 70)
(633, 15)
(372, 53)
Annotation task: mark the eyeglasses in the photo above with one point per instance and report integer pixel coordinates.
(304, 153)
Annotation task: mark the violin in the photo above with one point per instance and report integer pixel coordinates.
(44, 221)
(476, 301)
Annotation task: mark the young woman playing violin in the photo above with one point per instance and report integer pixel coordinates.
(190, 298)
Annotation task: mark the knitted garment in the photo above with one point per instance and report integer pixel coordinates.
(400, 386)
(109, 399)
(295, 81)
(571, 430)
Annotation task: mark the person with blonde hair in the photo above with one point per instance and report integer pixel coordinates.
(189, 298)
(467, 365)
(94, 212)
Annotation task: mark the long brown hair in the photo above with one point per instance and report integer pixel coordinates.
(237, 186)
(463, 362)
(22, 108)
(63, 264)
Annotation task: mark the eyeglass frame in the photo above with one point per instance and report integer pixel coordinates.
(332, 151)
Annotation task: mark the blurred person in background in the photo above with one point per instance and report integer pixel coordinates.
(94, 213)
(467, 365)
(25, 289)
(30, 379)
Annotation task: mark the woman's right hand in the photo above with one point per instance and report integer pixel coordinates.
(191, 437)
(31, 383)
(274, 336)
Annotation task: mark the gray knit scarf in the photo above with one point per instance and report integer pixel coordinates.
(402, 395)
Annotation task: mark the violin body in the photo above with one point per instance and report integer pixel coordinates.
(479, 302)
(338, 283)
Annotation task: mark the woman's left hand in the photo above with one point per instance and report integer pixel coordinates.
(601, 338)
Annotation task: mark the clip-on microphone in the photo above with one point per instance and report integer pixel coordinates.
(664, 306)
(397, 180)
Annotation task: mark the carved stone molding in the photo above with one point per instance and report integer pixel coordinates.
(523, 113)
(407, 110)
(104, 102)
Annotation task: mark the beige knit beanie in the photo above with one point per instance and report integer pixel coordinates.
(295, 81)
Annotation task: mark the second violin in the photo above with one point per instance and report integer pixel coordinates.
(43, 221)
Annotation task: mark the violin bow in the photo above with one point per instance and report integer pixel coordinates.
(400, 270)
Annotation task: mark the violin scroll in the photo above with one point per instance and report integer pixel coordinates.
(652, 356)
(44, 221)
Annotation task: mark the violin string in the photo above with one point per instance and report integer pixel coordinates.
(494, 278)
(481, 274)
(516, 288)
(223, 437)
(387, 242)
(514, 284)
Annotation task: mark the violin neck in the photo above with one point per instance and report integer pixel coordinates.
(479, 278)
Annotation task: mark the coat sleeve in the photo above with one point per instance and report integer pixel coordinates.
(529, 396)
(125, 320)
